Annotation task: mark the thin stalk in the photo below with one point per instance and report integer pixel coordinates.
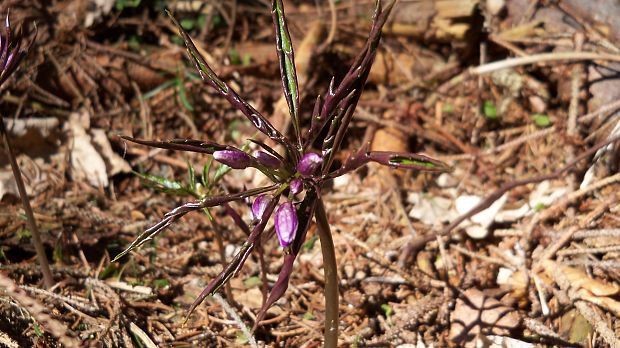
(217, 229)
(48, 280)
(331, 277)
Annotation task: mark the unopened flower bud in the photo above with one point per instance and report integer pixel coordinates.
(260, 204)
(296, 186)
(286, 223)
(233, 158)
(267, 159)
(309, 164)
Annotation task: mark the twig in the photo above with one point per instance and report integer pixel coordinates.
(81, 305)
(539, 58)
(38, 312)
(604, 232)
(48, 279)
(576, 77)
(587, 310)
(551, 250)
(420, 242)
(610, 107)
(231, 312)
(600, 250)
(333, 25)
(141, 335)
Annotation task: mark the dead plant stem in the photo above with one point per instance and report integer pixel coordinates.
(539, 58)
(48, 280)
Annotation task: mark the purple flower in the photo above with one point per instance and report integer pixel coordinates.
(286, 223)
(309, 164)
(296, 186)
(236, 159)
(267, 159)
(260, 204)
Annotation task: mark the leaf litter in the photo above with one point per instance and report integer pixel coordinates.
(541, 268)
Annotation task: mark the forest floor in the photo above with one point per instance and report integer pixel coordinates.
(518, 246)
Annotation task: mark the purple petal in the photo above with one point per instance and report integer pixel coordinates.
(233, 158)
(286, 223)
(260, 204)
(309, 164)
(267, 159)
(296, 186)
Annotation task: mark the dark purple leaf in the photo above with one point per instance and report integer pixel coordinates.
(180, 211)
(235, 265)
(404, 160)
(305, 211)
(199, 146)
(11, 51)
(237, 218)
(349, 88)
(210, 77)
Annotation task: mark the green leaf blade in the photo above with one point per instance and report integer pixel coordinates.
(286, 58)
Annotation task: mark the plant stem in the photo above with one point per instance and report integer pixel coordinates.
(48, 280)
(331, 277)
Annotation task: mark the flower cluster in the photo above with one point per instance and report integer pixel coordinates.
(298, 174)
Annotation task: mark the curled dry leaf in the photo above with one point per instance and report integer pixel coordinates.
(430, 210)
(92, 157)
(592, 290)
(479, 227)
(579, 279)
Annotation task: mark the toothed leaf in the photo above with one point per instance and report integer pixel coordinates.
(191, 145)
(235, 265)
(305, 211)
(210, 77)
(181, 210)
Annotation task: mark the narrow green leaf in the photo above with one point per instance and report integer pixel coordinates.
(286, 57)
(205, 173)
(182, 94)
(201, 64)
(191, 174)
(161, 182)
(397, 160)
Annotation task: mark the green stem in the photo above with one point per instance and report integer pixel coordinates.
(331, 277)
(48, 280)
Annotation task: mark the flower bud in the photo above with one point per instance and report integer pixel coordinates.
(267, 159)
(260, 204)
(236, 159)
(309, 164)
(286, 223)
(296, 186)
